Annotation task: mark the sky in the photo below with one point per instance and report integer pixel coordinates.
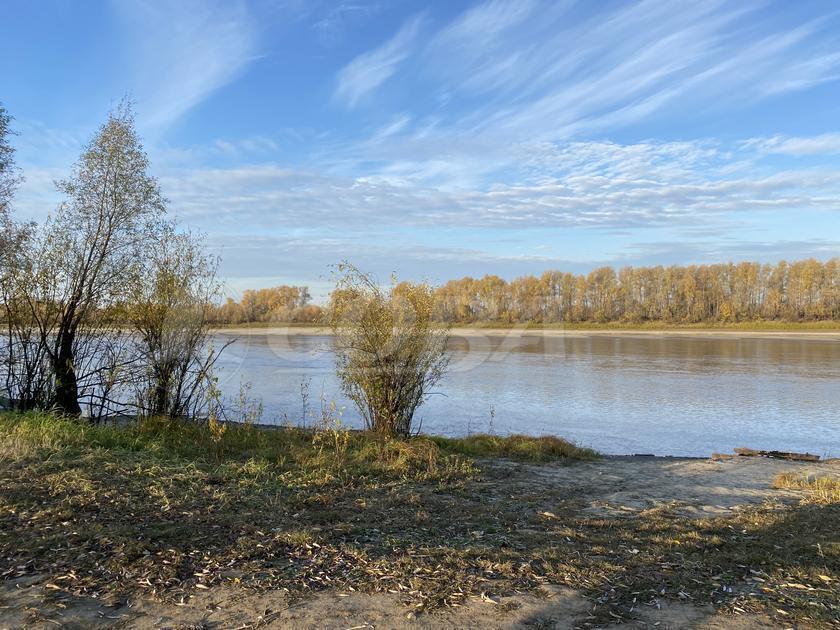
(443, 139)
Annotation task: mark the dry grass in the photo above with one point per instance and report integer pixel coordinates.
(823, 490)
(158, 511)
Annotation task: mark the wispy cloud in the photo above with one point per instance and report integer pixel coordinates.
(522, 70)
(481, 25)
(333, 25)
(507, 80)
(370, 70)
(181, 52)
(824, 144)
(581, 184)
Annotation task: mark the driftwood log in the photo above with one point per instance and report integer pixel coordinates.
(749, 452)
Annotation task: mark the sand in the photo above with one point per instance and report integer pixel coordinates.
(292, 331)
(557, 608)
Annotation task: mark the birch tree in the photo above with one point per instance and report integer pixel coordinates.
(9, 176)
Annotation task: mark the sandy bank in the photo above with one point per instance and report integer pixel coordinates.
(291, 331)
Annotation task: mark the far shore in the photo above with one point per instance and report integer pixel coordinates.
(704, 333)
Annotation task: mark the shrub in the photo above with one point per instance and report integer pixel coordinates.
(389, 354)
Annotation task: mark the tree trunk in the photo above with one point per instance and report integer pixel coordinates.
(160, 406)
(66, 387)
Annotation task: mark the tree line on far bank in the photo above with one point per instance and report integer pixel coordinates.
(805, 290)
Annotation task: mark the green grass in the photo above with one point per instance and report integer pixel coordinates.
(330, 454)
(518, 447)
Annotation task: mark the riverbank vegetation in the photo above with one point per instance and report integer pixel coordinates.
(747, 294)
(288, 304)
(389, 355)
(819, 489)
(163, 510)
(105, 303)
(108, 304)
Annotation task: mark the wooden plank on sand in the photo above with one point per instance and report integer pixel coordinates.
(796, 457)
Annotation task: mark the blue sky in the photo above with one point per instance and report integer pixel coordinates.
(449, 138)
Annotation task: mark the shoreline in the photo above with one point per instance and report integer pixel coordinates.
(822, 335)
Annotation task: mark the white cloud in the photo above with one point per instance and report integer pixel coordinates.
(581, 184)
(333, 25)
(825, 144)
(181, 52)
(370, 70)
(479, 26)
(522, 71)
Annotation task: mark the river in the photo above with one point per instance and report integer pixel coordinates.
(620, 394)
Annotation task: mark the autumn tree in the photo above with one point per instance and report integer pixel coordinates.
(389, 352)
(170, 300)
(275, 304)
(77, 263)
(24, 363)
(9, 176)
(727, 292)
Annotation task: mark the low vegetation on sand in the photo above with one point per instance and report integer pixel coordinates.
(161, 509)
(519, 447)
(824, 490)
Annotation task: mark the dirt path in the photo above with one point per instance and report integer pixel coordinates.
(615, 488)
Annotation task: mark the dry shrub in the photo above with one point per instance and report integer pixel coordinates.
(818, 489)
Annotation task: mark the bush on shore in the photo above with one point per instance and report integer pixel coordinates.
(389, 353)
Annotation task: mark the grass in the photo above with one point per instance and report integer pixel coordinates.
(327, 454)
(162, 509)
(819, 489)
(517, 447)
